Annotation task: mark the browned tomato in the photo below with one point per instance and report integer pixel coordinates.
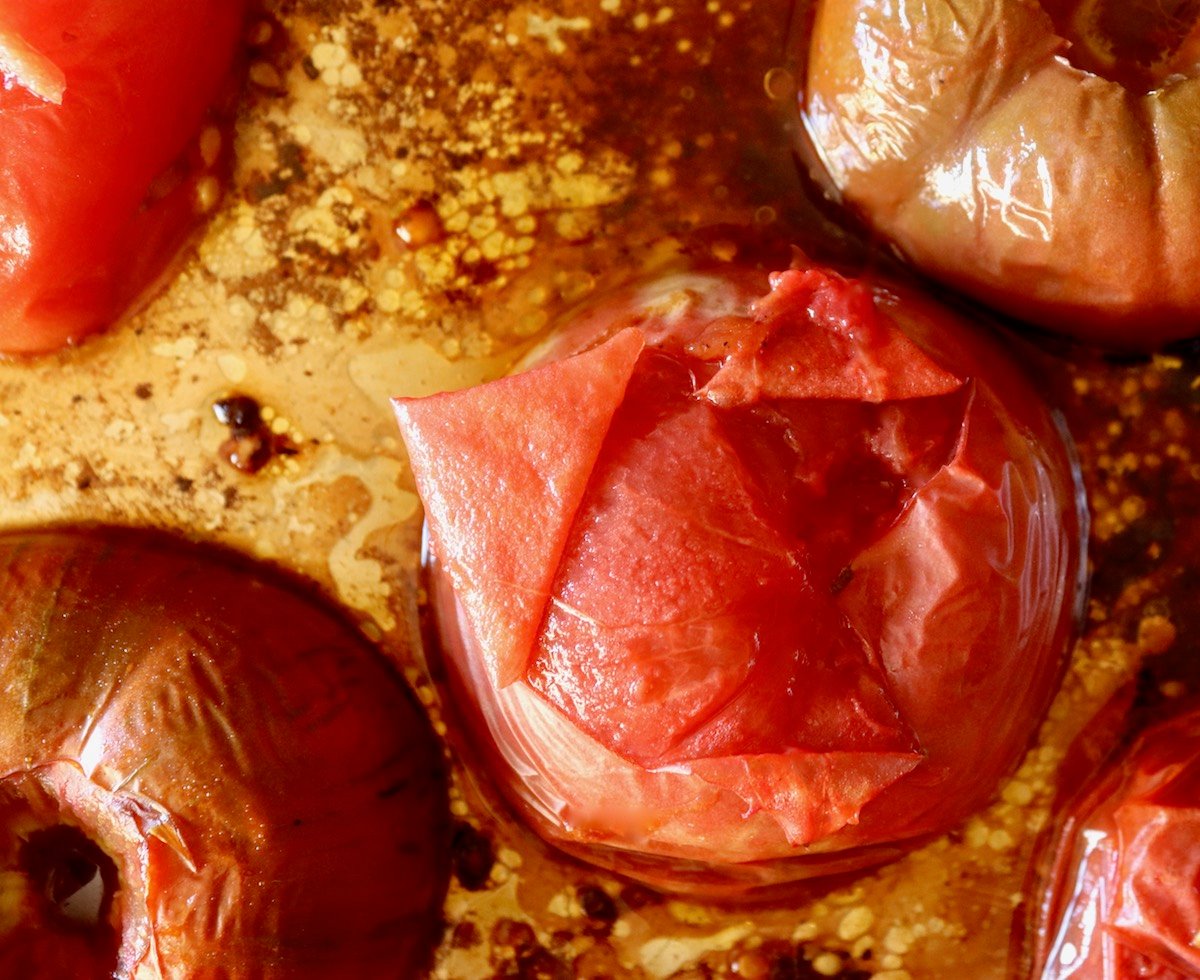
(1124, 898)
(755, 578)
(203, 774)
(1040, 156)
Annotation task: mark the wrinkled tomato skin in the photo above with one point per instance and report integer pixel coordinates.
(97, 193)
(270, 792)
(1122, 896)
(960, 587)
(964, 134)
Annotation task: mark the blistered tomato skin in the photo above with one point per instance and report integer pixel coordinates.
(259, 790)
(750, 580)
(965, 134)
(101, 102)
(1124, 897)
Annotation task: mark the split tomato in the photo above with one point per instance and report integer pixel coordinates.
(748, 581)
(101, 104)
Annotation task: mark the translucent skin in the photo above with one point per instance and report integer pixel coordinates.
(961, 132)
(272, 796)
(739, 589)
(99, 103)
(1124, 896)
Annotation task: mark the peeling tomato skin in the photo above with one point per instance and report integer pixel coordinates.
(95, 194)
(809, 607)
(1122, 899)
(964, 135)
(269, 789)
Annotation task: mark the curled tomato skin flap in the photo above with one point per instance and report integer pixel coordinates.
(100, 107)
(1123, 898)
(810, 581)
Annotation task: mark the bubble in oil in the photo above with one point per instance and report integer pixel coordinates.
(779, 84)
(419, 226)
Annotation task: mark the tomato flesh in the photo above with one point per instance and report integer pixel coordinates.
(99, 104)
(677, 551)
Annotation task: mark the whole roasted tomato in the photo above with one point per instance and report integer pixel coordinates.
(101, 103)
(750, 580)
(1039, 156)
(1124, 896)
(203, 774)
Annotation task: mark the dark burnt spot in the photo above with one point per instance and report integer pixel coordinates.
(240, 412)
(291, 169)
(86, 477)
(639, 896)
(465, 935)
(460, 161)
(251, 444)
(540, 964)
(509, 934)
(471, 856)
(597, 905)
(482, 272)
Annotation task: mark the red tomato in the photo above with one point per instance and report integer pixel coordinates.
(1124, 898)
(743, 588)
(252, 791)
(1040, 156)
(99, 103)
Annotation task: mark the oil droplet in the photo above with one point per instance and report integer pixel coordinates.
(259, 34)
(419, 226)
(779, 84)
(210, 146)
(207, 194)
(265, 75)
(574, 285)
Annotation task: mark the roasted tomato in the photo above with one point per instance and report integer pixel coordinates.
(1124, 895)
(1038, 156)
(746, 581)
(203, 774)
(100, 103)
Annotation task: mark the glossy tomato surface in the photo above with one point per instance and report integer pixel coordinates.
(254, 787)
(750, 579)
(1039, 156)
(101, 103)
(1124, 896)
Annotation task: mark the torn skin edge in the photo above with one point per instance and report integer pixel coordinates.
(488, 560)
(841, 346)
(810, 795)
(22, 64)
